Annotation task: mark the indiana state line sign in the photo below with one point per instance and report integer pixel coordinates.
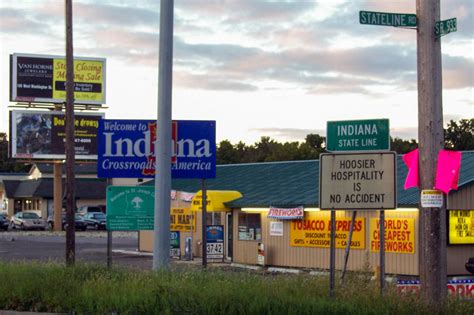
(126, 149)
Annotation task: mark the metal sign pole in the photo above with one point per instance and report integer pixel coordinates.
(382, 251)
(348, 247)
(204, 223)
(161, 247)
(332, 254)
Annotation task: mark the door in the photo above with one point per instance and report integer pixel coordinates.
(229, 238)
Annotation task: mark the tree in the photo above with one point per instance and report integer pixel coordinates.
(402, 146)
(460, 136)
(6, 164)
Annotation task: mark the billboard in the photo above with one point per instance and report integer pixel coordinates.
(126, 149)
(42, 79)
(42, 135)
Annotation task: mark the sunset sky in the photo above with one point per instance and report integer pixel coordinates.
(259, 68)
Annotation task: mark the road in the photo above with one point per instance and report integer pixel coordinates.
(91, 246)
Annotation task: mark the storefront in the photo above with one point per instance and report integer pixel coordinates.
(302, 239)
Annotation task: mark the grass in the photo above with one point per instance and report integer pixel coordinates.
(94, 289)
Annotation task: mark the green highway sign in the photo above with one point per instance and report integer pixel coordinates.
(445, 27)
(130, 208)
(387, 19)
(358, 135)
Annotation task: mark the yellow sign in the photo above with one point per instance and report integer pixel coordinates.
(399, 235)
(215, 200)
(315, 231)
(88, 80)
(461, 227)
(182, 219)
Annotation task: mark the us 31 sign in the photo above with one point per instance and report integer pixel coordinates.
(126, 149)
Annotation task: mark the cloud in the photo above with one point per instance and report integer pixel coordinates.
(289, 134)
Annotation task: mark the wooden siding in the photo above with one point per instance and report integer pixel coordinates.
(278, 251)
(462, 199)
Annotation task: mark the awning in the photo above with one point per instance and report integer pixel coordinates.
(215, 200)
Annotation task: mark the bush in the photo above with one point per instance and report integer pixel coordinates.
(95, 289)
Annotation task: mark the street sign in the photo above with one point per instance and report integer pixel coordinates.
(430, 198)
(358, 135)
(445, 27)
(387, 19)
(357, 181)
(130, 208)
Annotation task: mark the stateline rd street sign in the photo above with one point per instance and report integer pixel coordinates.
(358, 135)
(446, 27)
(387, 19)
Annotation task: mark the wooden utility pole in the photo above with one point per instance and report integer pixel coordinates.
(432, 262)
(70, 147)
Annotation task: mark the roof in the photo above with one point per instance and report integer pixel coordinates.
(90, 168)
(294, 183)
(44, 188)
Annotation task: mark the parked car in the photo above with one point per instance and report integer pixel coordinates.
(4, 223)
(26, 220)
(86, 209)
(79, 222)
(95, 219)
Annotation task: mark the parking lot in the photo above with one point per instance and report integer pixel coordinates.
(91, 246)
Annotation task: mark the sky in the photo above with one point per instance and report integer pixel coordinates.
(258, 68)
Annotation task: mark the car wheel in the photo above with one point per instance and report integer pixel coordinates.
(84, 229)
(22, 227)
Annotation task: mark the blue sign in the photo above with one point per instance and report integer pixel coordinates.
(215, 241)
(126, 149)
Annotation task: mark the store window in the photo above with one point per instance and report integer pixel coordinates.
(250, 227)
(30, 204)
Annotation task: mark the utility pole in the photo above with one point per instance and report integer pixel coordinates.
(70, 147)
(432, 262)
(161, 245)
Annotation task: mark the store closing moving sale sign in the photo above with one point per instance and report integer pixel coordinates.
(42, 78)
(357, 181)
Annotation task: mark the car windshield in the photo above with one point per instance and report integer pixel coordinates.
(98, 216)
(30, 215)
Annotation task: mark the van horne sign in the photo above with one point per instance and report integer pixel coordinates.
(357, 181)
(42, 78)
(126, 149)
(358, 135)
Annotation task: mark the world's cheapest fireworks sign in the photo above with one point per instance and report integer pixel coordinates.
(126, 149)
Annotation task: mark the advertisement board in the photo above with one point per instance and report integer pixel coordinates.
(461, 227)
(42, 135)
(42, 79)
(314, 231)
(459, 288)
(175, 251)
(215, 241)
(182, 219)
(399, 235)
(126, 149)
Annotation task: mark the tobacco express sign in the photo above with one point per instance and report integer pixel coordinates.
(126, 149)
(352, 181)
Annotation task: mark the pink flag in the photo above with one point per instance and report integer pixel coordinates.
(411, 161)
(447, 173)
